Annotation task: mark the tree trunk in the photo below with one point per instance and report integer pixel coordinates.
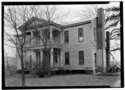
(46, 62)
(23, 70)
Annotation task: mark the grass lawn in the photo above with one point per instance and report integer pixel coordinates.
(65, 80)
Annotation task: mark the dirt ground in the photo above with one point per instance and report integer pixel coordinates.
(66, 80)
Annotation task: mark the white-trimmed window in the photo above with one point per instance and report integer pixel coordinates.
(66, 36)
(80, 34)
(67, 58)
(81, 57)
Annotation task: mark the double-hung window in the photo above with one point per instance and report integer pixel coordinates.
(81, 57)
(80, 34)
(67, 58)
(66, 36)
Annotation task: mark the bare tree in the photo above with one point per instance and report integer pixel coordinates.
(112, 19)
(14, 16)
(50, 14)
(88, 12)
(46, 14)
(113, 22)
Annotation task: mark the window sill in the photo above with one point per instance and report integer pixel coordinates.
(81, 41)
(66, 43)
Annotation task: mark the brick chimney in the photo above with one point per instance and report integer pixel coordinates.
(100, 32)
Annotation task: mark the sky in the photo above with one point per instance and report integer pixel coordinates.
(72, 17)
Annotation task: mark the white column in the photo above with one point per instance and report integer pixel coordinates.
(59, 62)
(41, 57)
(51, 58)
(51, 36)
(41, 43)
(18, 62)
(31, 38)
(61, 59)
(94, 72)
(93, 58)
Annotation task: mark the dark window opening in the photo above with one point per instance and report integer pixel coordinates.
(28, 33)
(81, 57)
(37, 36)
(67, 59)
(55, 33)
(66, 36)
(36, 33)
(55, 58)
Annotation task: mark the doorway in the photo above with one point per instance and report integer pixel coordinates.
(56, 57)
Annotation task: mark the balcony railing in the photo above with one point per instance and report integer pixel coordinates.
(53, 42)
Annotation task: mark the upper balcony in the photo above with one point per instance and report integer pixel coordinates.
(39, 39)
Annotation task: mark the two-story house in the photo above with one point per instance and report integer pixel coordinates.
(72, 47)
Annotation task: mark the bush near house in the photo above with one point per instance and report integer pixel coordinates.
(10, 70)
(113, 69)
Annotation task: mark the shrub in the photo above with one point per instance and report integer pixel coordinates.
(40, 72)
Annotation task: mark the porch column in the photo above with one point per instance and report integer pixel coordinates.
(61, 55)
(18, 62)
(41, 56)
(51, 57)
(93, 63)
(31, 38)
(51, 36)
(24, 58)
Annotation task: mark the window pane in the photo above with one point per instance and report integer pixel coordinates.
(67, 58)
(81, 57)
(55, 58)
(36, 33)
(80, 34)
(80, 38)
(37, 36)
(28, 33)
(66, 36)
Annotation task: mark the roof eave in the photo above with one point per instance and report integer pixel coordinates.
(77, 24)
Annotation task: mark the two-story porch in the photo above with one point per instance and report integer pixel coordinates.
(34, 50)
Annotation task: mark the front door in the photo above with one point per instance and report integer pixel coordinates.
(56, 57)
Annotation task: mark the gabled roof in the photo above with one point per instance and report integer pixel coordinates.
(42, 23)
